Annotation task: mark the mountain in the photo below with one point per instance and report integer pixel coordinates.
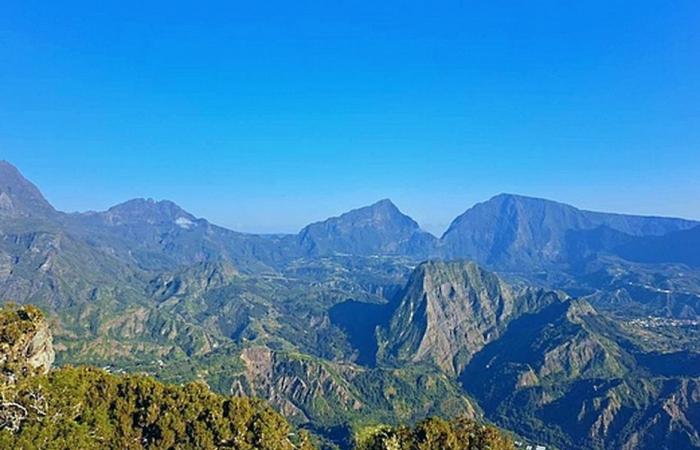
(570, 376)
(19, 197)
(450, 310)
(512, 232)
(378, 229)
(85, 407)
(675, 247)
(531, 357)
(148, 212)
(160, 235)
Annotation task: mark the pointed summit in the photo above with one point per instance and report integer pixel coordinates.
(377, 229)
(19, 197)
(382, 214)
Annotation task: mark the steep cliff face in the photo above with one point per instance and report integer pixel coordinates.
(299, 387)
(26, 343)
(451, 310)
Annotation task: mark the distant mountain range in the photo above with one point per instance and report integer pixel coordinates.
(507, 232)
(572, 328)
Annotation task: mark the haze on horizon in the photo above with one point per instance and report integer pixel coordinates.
(268, 117)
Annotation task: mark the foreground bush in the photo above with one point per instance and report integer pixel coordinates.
(433, 434)
(86, 408)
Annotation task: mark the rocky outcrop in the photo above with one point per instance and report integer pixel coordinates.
(26, 343)
(451, 310)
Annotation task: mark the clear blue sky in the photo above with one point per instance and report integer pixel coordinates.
(265, 116)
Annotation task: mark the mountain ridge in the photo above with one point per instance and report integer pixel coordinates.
(511, 231)
(530, 242)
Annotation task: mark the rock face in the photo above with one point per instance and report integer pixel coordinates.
(378, 229)
(293, 385)
(451, 310)
(25, 340)
(40, 353)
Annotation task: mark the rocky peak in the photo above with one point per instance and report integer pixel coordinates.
(18, 196)
(381, 215)
(451, 310)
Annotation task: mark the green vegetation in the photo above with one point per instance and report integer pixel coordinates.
(435, 433)
(87, 408)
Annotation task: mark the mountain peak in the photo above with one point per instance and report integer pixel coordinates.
(383, 209)
(384, 203)
(18, 196)
(448, 311)
(380, 228)
(148, 211)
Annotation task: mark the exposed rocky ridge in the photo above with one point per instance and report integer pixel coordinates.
(330, 394)
(295, 385)
(451, 310)
(556, 344)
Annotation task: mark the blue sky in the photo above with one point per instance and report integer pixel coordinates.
(264, 116)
